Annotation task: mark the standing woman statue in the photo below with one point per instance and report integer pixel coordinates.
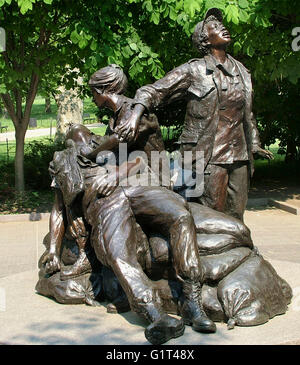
(219, 119)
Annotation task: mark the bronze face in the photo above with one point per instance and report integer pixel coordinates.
(102, 100)
(218, 35)
(79, 134)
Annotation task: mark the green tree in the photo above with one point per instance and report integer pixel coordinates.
(35, 35)
(146, 37)
(150, 37)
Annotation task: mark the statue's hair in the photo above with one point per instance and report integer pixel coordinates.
(109, 79)
(200, 35)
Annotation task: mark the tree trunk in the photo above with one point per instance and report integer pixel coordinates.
(69, 112)
(47, 105)
(20, 121)
(19, 158)
(291, 150)
(4, 113)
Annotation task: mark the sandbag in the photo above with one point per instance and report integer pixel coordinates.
(253, 293)
(86, 288)
(216, 267)
(212, 244)
(211, 304)
(158, 258)
(210, 221)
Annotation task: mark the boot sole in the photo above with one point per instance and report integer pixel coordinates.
(158, 336)
(201, 329)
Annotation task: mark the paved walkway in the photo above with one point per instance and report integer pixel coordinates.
(28, 318)
(39, 132)
(31, 133)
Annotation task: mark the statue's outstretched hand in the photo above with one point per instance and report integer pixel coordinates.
(127, 130)
(262, 153)
(52, 263)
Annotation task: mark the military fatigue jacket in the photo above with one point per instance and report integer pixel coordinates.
(196, 81)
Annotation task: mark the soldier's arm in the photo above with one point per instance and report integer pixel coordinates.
(170, 88)
(57, 231)
(256, 145)
(109, 144)
(105, 184)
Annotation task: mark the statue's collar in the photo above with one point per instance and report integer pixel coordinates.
(212, 64)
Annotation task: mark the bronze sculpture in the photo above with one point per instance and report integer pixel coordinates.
(219, 119)
(106, 209)
(116, 247)
(143, 247)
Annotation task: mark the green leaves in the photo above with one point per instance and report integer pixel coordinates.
(25, 5)
(250, 50)
(232, 13)
(243, 4)
(155, 18)
(192, 6)
(243, 16)
(93, 45)
(75, 38)
(82, 39)
(2, 88)
(133, 46)
(127, 52)
(237, 47)
(149, 37)
(220, 4)
(148, 5)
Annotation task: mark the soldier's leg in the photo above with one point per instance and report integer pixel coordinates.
(237, 190)
(167, 213)
(215, 188)
(115, 243)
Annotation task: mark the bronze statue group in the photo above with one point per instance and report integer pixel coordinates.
(142, 246)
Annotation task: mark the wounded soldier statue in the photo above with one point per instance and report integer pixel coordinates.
(120, 234)
(146, 249)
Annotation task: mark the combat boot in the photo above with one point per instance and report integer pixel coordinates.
(163, 327)
(192, 311)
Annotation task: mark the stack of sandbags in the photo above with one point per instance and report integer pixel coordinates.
(240, 287)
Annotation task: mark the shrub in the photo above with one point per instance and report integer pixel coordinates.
(38, 155)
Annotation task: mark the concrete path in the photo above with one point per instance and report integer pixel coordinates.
(28, 318)
(31, 133)
(39, 132)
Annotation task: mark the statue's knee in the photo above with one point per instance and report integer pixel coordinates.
(183, 217)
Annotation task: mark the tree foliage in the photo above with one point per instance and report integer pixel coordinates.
(150, 37)
(38, 48)
(146, 37)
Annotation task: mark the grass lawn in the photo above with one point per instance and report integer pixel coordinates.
(46, 120)
(7, 149)
(41, 201)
